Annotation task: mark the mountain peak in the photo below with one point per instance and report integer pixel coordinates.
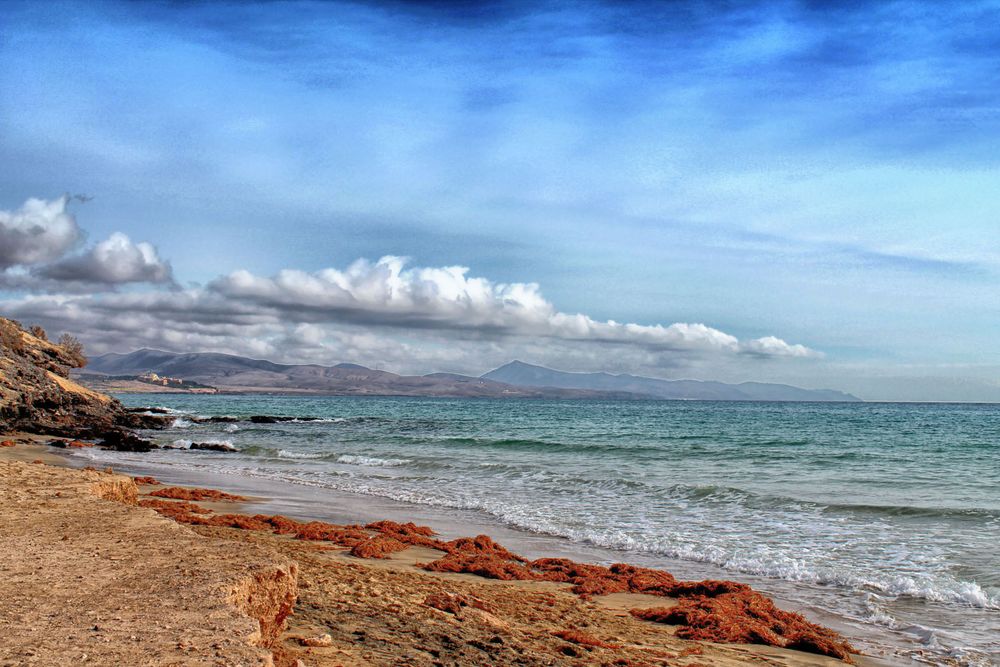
(516, 363)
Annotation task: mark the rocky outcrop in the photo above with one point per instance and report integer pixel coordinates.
(268, 596)
(116, 488)
(123, 441)
(38, 396)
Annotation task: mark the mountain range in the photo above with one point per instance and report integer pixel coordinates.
(232, 373)
(514, 380)
(527, 375)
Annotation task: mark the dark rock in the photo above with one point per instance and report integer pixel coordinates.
(267, 419)
(264, 419)
(270, 419)
(222, 419)
(213, 446)
(138, 420)
(123, 441)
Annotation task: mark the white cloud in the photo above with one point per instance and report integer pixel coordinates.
(769, 346)
(114, 261)
(382, 313)
(35, 242)
(387, 293)
(40, 231)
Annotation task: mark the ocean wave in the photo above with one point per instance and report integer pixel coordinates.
(180, 422)
(286, 454)
(728, 494)
(261, 451)
(533, 445)
(370, 461)
(876, 613)
(916, 511)
(770, 562)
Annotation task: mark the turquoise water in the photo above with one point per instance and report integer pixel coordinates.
(886, 515)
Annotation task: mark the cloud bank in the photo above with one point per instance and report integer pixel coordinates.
(36, 241)
(119, 295)
(388, 293)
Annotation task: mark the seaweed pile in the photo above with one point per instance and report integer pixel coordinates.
(710, 610)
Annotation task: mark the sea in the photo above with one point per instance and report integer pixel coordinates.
(881, 520)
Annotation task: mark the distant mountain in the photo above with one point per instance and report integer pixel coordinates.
(520, 374)
(233, 373)
(229, 372)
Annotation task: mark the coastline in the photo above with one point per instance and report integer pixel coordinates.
(400, 576)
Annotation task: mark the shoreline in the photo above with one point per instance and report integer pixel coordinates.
(301, 501)
(270, 499)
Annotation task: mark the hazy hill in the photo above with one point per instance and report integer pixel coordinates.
(527, 375)
(233, 373)
(516, 379)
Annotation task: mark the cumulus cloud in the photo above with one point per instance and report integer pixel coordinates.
(383, 312)
(36, 242)
(388, 293)
(770, 346)
(114, 261)
(40, 231)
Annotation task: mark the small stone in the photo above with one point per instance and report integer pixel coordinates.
(317, 641)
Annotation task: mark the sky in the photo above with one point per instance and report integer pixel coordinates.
(800, 192)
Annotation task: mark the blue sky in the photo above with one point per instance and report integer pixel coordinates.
(822, 173)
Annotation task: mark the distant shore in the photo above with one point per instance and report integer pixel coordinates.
(389, 610)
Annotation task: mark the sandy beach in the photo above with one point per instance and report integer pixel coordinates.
(91, 576)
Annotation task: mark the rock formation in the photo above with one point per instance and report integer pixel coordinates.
(38, 396)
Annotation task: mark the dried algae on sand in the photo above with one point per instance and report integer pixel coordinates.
(713, 611)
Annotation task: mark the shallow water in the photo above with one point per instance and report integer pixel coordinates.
(885, 516)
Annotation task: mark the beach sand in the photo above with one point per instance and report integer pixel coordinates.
(120, 584)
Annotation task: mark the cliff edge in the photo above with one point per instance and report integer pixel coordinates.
(37, 394)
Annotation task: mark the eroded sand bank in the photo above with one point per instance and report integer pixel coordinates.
(88, 577)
